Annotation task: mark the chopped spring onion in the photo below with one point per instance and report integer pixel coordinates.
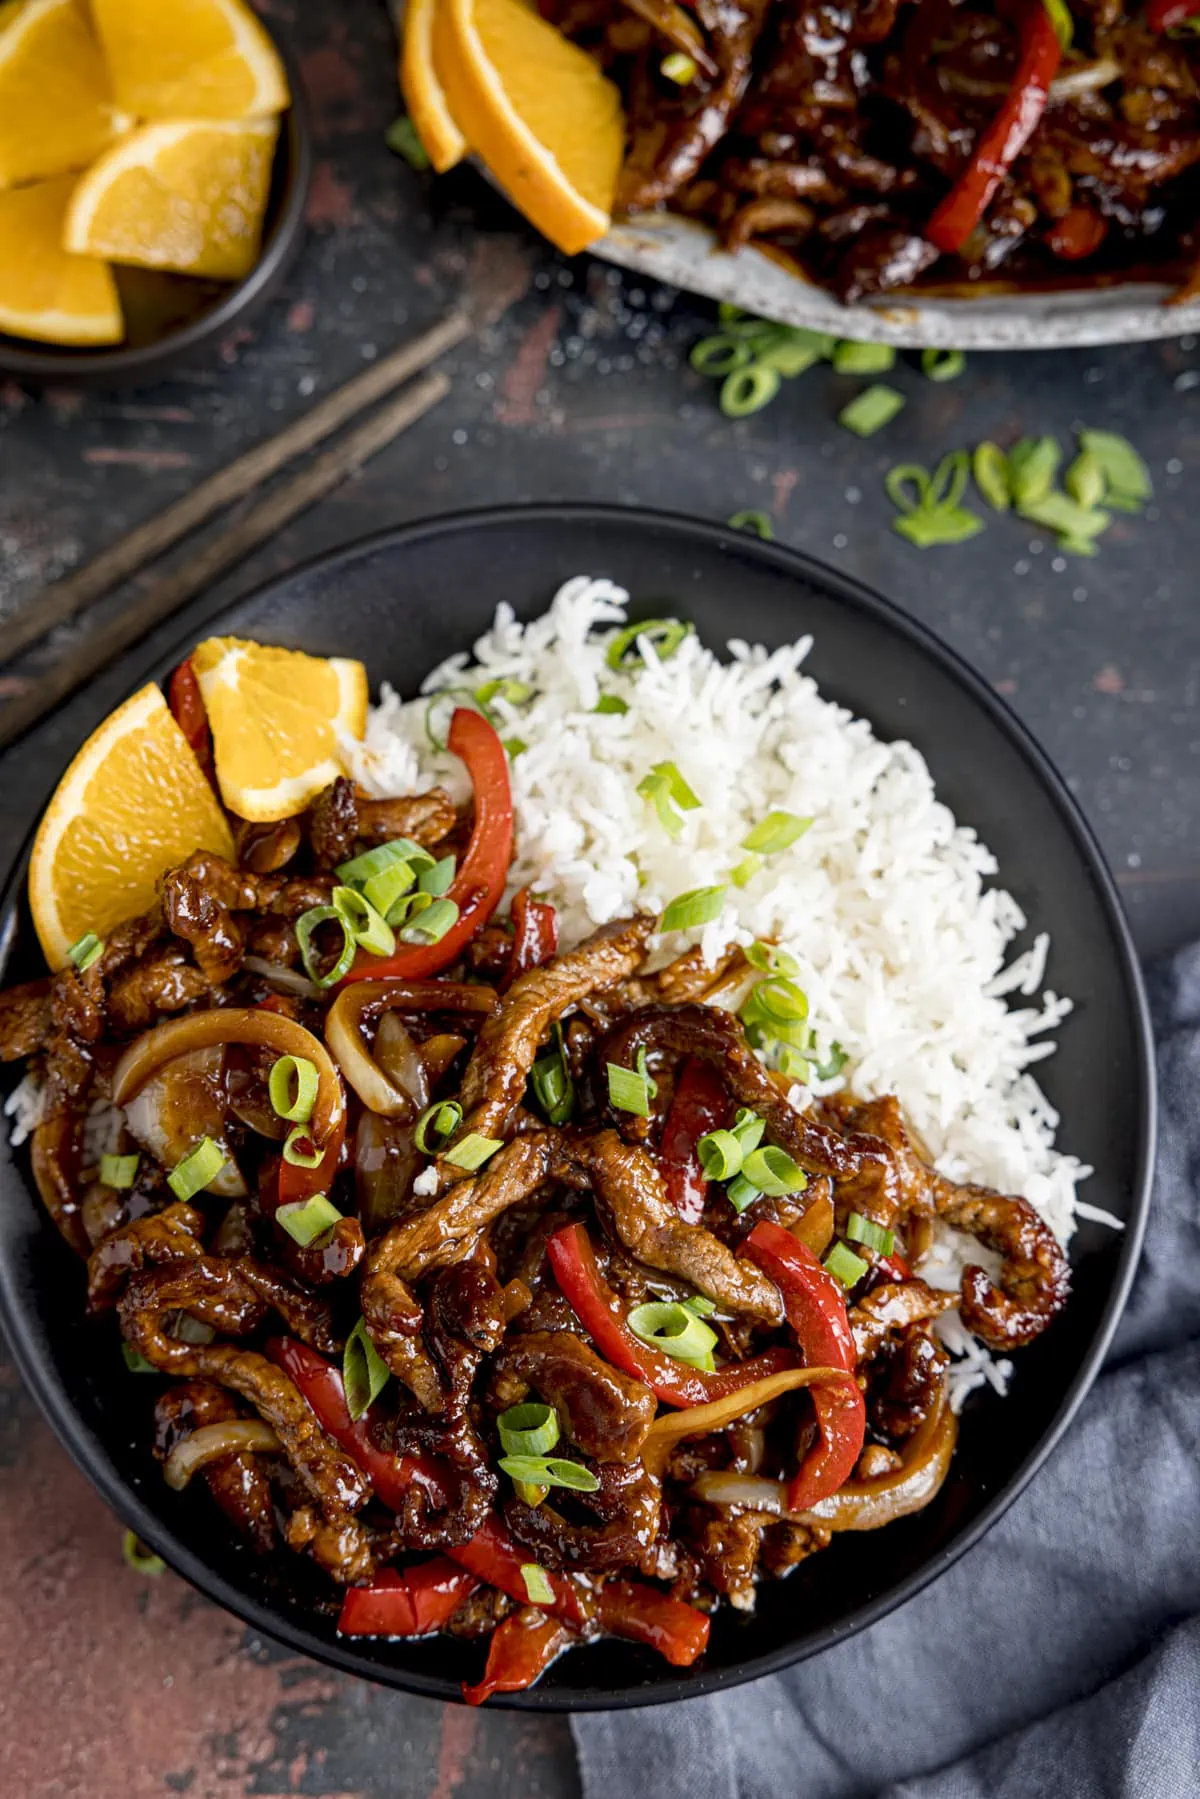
(871, 410)
(401, 137)
(197, 1169)
(935, 515)
(401, 852)
(611, 703)
(942, 365)
(528, 1429)
(292, 1085)
(1126, 475)
(118, 1171)
(517, 693)
(742, 1193)
(87, 950)
(773, 1171)
(1084, 480)
(701, 1305)
(364, 1372)
(440, 1120)
(720, 1155)
(679, 68)
(748, 1128)
(777, 831)
(473, 1151)
(701, 906)
(768, 958)
(1060, 17)
(875, 1236)
(775, 1011)
(720, 355)
(989, 465)
(938, 524)
(631, 1090)
(665, 789)
(540, 1471)
(833, 1065)
(1032, 466)
(897, 482)
(791, 349)
(431, 924)
(552, 1084)
(305, 1220)
(853, 358)
(1075, 525)
(758, 522)
(676, 1330)
(436, 880)
(299, 1150)
(514, 747)
(385, 891)
(306, 925)
(748, 390)
(663, 634)
(138, 1557)
(538, 1590)
(135, 1361)
(370, 931)
(744, 873)
(844, 1265)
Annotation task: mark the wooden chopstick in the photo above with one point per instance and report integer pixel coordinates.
(143, 545)
(158, 602)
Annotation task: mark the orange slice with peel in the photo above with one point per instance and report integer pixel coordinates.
(192, 59)
(56, 103)
(542, 115)
(133, 804)
(279, 719)
(424, 94)
(45, 293)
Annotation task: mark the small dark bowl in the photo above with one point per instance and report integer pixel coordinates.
(174, 319)
(403, 601)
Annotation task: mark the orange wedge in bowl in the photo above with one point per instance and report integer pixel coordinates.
(191, 59)
(133, 804)
(46, 293)
(544, 118)
(56, 105)
(424, 94)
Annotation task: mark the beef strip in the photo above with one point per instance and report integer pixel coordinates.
(172, 1235)
(605, 1413)
(1035, 1280)
(627, 1507)
(24, 1020)
(339, 819)
(239, 1484)
(892, 1308)
(342, 1548)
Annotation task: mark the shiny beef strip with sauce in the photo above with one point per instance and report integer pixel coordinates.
(507, 1278)
(829, 133)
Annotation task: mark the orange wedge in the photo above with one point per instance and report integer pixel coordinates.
(44, 292)
(192, 59)
(279, 719)
(546, 121)
(133, 804)
(189, 196)
(424, 94)
(56, 105)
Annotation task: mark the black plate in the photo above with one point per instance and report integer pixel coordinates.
(403, 601)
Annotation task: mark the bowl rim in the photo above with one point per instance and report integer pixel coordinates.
(27, 359)
(88, 1451)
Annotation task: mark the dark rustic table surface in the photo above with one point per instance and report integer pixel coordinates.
(116, 1687)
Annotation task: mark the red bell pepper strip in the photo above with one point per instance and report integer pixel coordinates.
(700, 1105)
(320, 1383)
(816, 1310)
(1080, 232)
(493, 1557)
(285, 1183)
(627, 1608)
(478, 887)
(893, 1268)
(596, 1307)
(1169, 15)
(535, 935)
(523, 1646)
(998, 148)
(188, 711)
(412, 1602)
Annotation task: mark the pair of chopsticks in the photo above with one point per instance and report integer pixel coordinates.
(132, 554)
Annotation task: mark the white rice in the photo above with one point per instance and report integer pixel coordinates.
(901, 942)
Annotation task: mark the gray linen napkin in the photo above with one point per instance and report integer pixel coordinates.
(1061, 1656)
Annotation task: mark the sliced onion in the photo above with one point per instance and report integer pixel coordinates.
(183, 1102)
(213, 1443)
(670, 1428)
(752, 1492)
(288, 980)
(362, 1001)
(386, 1162)
(1088, 78)
(870, 1504)
(401, 1060)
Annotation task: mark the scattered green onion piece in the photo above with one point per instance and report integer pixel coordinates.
(437, 880)
(292, 1085)
(1124, 471)
(442, 1119)
(748, 390)
(551, 1080)
(701, 1305)
(742, 1193)
(665, 789)
(664, 634)
(853, 358)
(940, 524)
(699, 907)
(844, 1265)
(744, 873)
(768, 958)
(758, 522)
(611, 703)
(364, 1372)
(514, 747)
(517, 693)
(773, 1171)
(631, 1090)
(431, 925)
(875, 1236)
(1032, 466)
(679, 68)
(401, 137)
(720, 1155)
(196, 1170)
(528, 1429)
(1059, 14)
(897, 482)
(719, 355)
(536, 1470)
(748, 1128)
(777, 831)
(1058, 512)
(989, 465)
(781, 1001)
(473, 1151)
(139, 1558)
(948, 482)
(791, 349)
(942, 365)
(529, 1493)
(305, 1220)
(118, 1172)
(385, 891)
(538, 1590)
(88, 949)
(135, 1361)
(306, 925)
(401, 852)
(871, 410)
(790, 1062)
(370, 931)
(673, 1328)
(299, 1150)
(833, 1065)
